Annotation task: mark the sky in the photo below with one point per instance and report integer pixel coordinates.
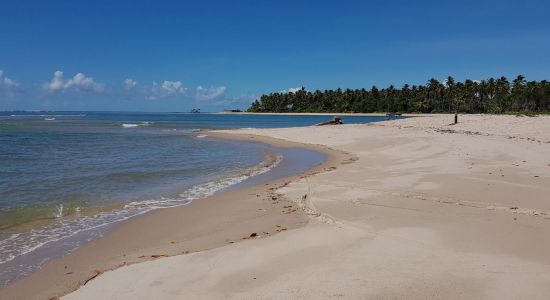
(216, 55)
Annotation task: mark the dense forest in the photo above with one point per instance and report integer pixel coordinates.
(485, 96)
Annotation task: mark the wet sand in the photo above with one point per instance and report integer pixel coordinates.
(223, 219)
(428, 211)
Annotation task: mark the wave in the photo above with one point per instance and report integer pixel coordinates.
(67, 221)
(42, 115)
(211, 187)
(180, 130)
(133, 125)
(13, 217)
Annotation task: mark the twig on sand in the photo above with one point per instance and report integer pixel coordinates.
(97, 273)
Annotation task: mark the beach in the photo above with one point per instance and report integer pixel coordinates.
(410, 209)
(274, 150)
(250, 206)
(67, 181)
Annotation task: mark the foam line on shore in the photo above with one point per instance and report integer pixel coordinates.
(261, 187)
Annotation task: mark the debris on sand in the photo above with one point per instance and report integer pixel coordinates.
(97, 273)
(154, 256)
(252, 236)
(288, 209)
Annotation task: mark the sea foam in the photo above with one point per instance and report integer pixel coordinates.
(65, 227)
(133, 125)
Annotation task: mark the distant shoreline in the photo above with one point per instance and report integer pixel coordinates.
(324, 114)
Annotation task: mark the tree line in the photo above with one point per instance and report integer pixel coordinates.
(485, 96)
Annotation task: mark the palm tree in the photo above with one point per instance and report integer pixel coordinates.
(450, 93)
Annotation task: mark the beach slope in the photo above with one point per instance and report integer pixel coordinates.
(427, 211)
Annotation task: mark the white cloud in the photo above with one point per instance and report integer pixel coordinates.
(56, 83)
(173, 87)
(8, 85)
(291, 90)
(167, 89)
(129, 84)
(202, 93)
(78, 83)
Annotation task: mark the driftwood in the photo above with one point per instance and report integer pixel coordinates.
(335, 121)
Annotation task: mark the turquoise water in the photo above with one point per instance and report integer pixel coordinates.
(64, 174)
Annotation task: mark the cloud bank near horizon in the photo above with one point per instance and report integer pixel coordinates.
(82, 84)
(81, 90)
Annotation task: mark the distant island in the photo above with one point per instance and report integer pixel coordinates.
(471, 96)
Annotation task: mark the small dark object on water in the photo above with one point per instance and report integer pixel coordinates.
(456, 118)
(335, 121)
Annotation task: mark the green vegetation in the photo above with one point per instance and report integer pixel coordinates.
(486, 96)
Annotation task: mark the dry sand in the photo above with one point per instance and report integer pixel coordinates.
(428, 211)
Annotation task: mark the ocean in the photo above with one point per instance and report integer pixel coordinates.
(66, 177)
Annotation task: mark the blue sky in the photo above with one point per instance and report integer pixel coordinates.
(215, 55)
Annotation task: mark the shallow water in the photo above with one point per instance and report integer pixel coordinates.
(65, 176)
